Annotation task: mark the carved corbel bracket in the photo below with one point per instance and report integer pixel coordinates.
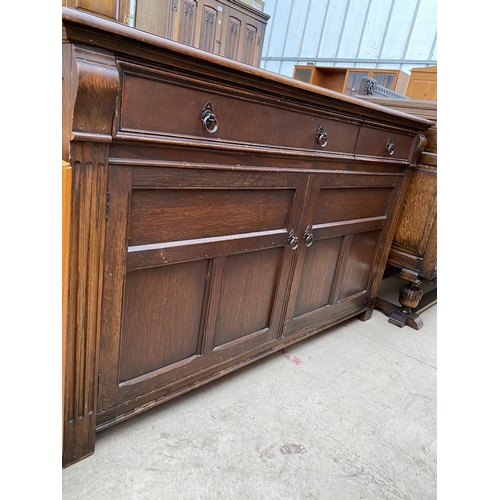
(419, 144)
(95, 84)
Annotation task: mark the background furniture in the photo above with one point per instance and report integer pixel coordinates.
(219, 213)
(347, 80)
(370, 87)
(422, 84)
(229, 28)
(414, 247)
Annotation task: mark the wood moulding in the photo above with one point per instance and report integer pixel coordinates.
(90, 86)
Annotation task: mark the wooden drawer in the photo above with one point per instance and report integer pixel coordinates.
(166, 106)
(375, 141)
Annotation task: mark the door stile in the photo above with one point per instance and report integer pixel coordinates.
(296, 224)
(212, 293)
(115, 275)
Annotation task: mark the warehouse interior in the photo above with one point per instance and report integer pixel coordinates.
(349, 413)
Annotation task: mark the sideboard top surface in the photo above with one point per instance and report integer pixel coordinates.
(90, 30)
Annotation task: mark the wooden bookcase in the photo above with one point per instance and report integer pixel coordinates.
(347, 80)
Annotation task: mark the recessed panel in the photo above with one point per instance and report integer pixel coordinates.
(247, 294)
(339, 204)
(316, 280)
(359, 263)
(159, 215)
(161, 317)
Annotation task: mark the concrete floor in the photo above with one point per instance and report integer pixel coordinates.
(347, 414)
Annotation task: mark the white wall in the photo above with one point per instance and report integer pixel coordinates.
(398, 34)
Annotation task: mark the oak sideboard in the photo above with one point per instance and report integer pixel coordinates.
(219, 213)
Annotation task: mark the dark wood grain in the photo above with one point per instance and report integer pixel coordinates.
(151, 324)
(249, 284)
(341, 204)
(188, 214)
(317, 275)
(85, 273)
(193, 254)
(359, 263)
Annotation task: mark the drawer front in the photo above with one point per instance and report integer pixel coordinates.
(384, 143)
(173, 108)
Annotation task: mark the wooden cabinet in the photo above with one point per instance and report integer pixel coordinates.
(229, 28)
(414, 246)
(347, 80)
(116, 10)
(423, 84)
(219, 213)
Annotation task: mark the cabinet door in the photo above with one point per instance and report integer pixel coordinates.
(231, 34)
(105, 8)
(157, 16)
(210, 26)
(196, 267)
(187, 21)
(249, 43)
(304, 74)
(340, 243)
(241, 37)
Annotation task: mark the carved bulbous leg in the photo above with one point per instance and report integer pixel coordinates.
(410, 295)
(412, 300)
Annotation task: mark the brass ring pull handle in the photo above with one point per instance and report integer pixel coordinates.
(389, 146)
(209, 120)
(293, 241)
(308, 236)
(321, 136)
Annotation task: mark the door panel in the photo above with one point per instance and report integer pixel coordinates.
(153, 298)
(181, 214)
(248, 288)
(341, 232)
(358, 263)
(335, 205)
(317, 275)
(231, 39)
(187, 21)
(197, 264)
(209, 27)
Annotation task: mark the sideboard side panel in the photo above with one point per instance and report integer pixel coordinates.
(88, 214)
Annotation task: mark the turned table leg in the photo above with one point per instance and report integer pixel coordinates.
(410, 300)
